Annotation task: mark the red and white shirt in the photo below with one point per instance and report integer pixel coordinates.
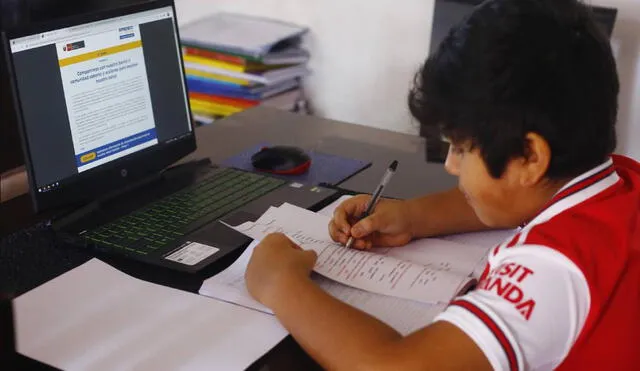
(564, 292)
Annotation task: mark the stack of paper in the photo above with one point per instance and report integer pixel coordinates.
(235, 61)
(404, 287)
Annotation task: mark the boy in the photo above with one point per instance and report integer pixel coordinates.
(526, 93)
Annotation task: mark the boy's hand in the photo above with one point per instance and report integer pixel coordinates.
(390, 223)
(275, 262)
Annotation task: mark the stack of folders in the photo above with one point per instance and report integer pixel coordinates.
(234, 62)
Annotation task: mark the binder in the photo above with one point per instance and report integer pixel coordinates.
(257, 38)
(269, 77)
(205, 86)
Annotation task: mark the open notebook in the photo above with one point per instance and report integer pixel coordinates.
(404, 287)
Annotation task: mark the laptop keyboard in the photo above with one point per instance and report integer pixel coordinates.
(172, 217)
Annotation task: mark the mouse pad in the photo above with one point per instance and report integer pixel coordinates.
(325, 168)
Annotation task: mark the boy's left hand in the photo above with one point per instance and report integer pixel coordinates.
(275, 262)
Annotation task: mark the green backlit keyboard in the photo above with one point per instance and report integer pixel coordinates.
(174, 216)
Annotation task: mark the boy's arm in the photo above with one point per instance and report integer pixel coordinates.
(443, 213)
(341, 337)
(526, 313)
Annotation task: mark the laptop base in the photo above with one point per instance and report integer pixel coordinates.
(175, 242)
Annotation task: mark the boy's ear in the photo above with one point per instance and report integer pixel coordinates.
(537, 157)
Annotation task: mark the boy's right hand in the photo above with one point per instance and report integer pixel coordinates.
(389, 225)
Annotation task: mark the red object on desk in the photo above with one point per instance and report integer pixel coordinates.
(301, 169)
(281, 160)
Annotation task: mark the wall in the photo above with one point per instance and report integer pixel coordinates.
(366, 52)
(626, 45)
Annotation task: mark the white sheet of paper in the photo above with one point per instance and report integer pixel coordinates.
(95, 317)
(230, 286)
(377, 273)
(440, 254)
(331, 208)
(488, 239)
(405, 316)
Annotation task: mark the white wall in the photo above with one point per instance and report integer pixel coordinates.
(626, 45)
(364, 55)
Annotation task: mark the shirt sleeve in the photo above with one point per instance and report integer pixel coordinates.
(528, 311)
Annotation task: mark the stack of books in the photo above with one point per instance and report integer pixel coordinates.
(234, 62)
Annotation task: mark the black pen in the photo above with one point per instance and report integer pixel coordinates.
(376, 195)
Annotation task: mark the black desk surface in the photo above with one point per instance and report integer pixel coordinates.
(30, 256)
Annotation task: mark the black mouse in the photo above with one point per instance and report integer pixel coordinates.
(283, 160)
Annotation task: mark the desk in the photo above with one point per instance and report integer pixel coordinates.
(33, 257)
(414, 177)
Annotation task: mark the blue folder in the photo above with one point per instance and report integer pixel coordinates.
(208, 86)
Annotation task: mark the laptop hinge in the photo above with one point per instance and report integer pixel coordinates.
(77, 214)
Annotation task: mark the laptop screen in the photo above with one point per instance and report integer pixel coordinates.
(96, 93)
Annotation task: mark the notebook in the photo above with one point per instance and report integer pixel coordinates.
(256, 37)
(268, 77)
(208, 86)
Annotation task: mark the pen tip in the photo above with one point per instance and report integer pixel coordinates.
(393, 165)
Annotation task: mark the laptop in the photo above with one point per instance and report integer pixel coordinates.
(104, 114)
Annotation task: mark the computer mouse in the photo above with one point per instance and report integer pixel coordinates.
(283, 160)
